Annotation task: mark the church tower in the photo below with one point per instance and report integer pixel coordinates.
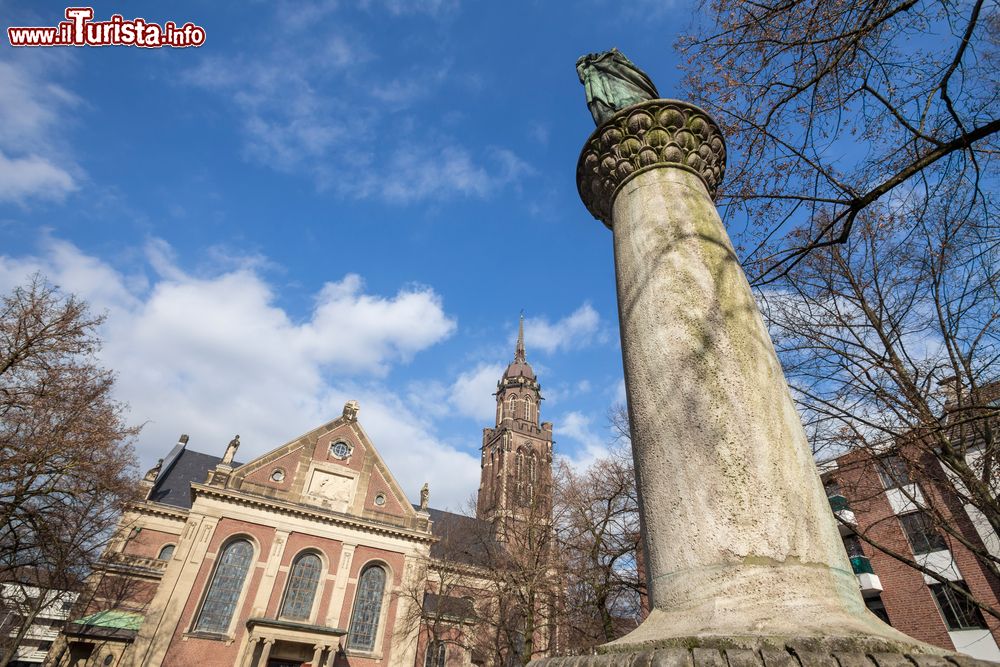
(516, 464)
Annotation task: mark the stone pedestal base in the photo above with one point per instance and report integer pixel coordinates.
(789, 655)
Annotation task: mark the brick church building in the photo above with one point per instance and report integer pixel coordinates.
(311, 554)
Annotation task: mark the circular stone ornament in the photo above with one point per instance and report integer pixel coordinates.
(340, 450)
(644, 136)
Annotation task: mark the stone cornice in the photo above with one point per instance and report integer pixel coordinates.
(644, 136)
(159, 509)
(315, 514)
(281, 624)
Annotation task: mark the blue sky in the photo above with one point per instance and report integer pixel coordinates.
(328, 201)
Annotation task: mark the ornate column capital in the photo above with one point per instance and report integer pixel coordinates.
(648, 135)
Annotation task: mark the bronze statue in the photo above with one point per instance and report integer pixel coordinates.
(612, 82)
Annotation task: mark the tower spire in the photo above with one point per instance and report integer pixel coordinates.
(519, 350)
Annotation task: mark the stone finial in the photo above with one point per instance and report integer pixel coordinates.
(153, 472)
(644, 136)
(234, 444)
(425, 494)
(351, 409)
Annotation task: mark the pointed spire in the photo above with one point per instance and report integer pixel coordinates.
(519, 350)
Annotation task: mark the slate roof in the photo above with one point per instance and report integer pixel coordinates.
(182, 466)
(462, 538)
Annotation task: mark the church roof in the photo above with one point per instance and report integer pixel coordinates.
(173, 486)
(462, 538)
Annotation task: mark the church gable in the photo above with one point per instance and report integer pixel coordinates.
(334, 466)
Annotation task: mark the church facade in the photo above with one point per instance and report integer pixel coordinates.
(311, 554)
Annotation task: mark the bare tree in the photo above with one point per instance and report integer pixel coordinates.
(525, 583)
(599, 540)
(889, 342)
(831, 107)
(446, 592)
(67, 467)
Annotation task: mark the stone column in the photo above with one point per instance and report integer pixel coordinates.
(741, 546)
(265, 654)
(317, 655)
(251, 648)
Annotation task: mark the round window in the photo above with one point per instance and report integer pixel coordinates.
(340, 449)
(108, 659)
(380, 499)
(278, 475)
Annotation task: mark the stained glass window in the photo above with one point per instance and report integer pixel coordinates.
(435, 656)
(367, 607)
(301, 590)
(224, 591)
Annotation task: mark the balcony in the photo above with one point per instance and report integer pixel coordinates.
(870, 584)
(842, 510)
(868, 581)
(861, 565)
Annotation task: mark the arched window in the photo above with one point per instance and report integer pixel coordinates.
(166, 552)
(533, 468)
(435, 655)
(225, 588)
(529, 409)
(301, 589)
(519, 465)
(367, 607)
(512, 407)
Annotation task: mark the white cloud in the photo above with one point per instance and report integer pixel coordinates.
(399, 7)
(578, 329)
(620, 396)
(32, 176)
(322, 112)
(417, 172)
(216, 355)
(33, 109)
(471, 394)
(579, 428)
